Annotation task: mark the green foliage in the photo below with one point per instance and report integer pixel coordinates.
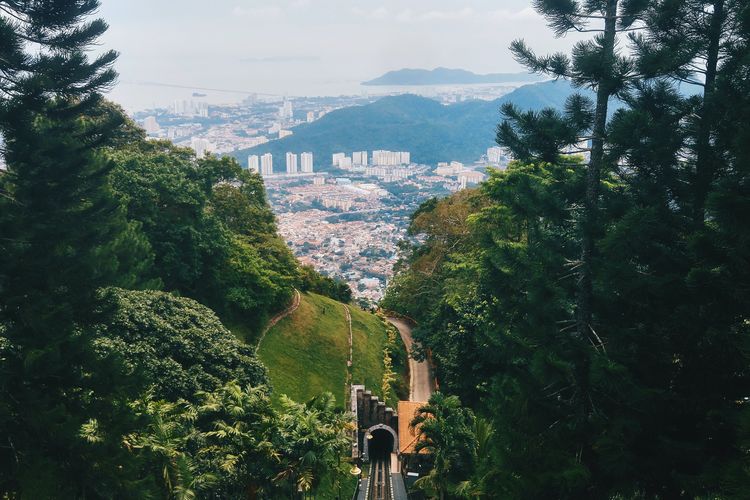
(313, 281)
(314, 436)
(64, 235)
(231, 443)
(648, 401)
(43, 50)
(212, 231)
(446, 430)
(175, 345)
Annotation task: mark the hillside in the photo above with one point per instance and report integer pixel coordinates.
(431, 131)
(306, 353)
(447, 76)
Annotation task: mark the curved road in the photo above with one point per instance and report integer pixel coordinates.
(420, 376)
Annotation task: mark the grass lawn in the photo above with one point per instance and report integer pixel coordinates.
(306, 352)
(369, 339)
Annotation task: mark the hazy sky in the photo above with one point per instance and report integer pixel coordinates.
(308, 47)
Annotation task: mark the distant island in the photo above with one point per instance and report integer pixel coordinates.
(446, 76)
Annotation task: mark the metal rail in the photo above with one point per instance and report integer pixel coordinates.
(380, 486)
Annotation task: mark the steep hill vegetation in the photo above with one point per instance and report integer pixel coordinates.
(307, 352)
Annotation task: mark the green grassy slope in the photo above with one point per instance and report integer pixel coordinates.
(306, 353)
(369, 339)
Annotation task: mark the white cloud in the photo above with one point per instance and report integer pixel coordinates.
(377, 14)
(263, 12)
(448, 15)
(509, 15)
(405, 16)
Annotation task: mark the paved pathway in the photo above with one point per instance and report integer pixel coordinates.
(421, 382)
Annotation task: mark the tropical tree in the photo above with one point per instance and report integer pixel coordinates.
(163, 441)
(445, 430)
(596, 64)
(238, 431)
(314, 436)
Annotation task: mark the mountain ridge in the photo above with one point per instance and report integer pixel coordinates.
(432, 132)
(446, 76)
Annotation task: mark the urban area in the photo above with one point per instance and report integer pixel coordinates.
(344, 215)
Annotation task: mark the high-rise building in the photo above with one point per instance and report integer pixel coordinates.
(291, 163)
(306, 163)
(266, 164)
(285, 111)
(359, 158)
(310, 116)
(201, 146)
(253, 163)
(150, 125)
(495, 155)
(190, 108)
(345, 163)
(336, 159)
(390, 158)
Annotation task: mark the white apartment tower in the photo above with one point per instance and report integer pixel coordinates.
(494, 155)
(266, 164)
(359, 158)
(291, 163)
(336, 159)
(306, 163)
(390, 158)
(285, 111)
(150, 125)
(201, 146)
(253, 163)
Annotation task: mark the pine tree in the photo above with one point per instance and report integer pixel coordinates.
(63, 235)
(689, 40)
(59, 29)
(595, 64)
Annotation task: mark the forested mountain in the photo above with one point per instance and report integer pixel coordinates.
(446, 76)
(430, 131)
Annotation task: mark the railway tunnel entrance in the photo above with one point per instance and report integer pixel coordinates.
(381, 444)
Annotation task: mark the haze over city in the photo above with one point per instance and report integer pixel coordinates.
(305, 47)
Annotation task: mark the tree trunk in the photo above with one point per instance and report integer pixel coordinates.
(593, 175)
(705, 164)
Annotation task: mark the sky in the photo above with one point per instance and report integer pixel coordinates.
(306, 47)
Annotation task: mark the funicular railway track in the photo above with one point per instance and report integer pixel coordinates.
(379, 486)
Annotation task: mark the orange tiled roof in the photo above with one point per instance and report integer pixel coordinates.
(407, 437)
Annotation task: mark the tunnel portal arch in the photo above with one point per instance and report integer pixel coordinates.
(394, 435)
